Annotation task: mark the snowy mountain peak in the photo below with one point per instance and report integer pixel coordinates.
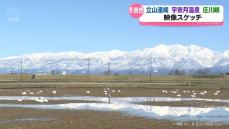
(162, 56)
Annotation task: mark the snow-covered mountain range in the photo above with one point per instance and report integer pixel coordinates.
(160, 59)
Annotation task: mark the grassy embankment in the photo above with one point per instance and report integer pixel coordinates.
(168, 81)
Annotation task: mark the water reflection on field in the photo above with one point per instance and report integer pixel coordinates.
(129, 105)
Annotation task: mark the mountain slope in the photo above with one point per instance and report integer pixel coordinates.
(160, 57)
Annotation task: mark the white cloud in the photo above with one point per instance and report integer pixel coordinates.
(13, 14)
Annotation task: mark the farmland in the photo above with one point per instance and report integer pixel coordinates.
(79, 101)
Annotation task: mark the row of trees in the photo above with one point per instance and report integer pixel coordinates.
(182, 72)
(109, 72)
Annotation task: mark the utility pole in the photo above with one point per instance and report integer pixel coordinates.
(21, 71)
(150, 70)
(224, 73)
(88, 69)
(109, 68)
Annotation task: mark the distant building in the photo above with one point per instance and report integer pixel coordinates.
(58, 72)
(64, 72)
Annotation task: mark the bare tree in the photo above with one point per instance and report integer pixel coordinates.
(204, 71)
(177, 72)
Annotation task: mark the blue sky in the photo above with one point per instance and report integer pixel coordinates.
(31, 26)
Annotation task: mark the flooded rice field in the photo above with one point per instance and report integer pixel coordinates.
(129, 105)
(164, 105)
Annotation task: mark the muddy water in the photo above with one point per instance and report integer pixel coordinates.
(129, 105)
